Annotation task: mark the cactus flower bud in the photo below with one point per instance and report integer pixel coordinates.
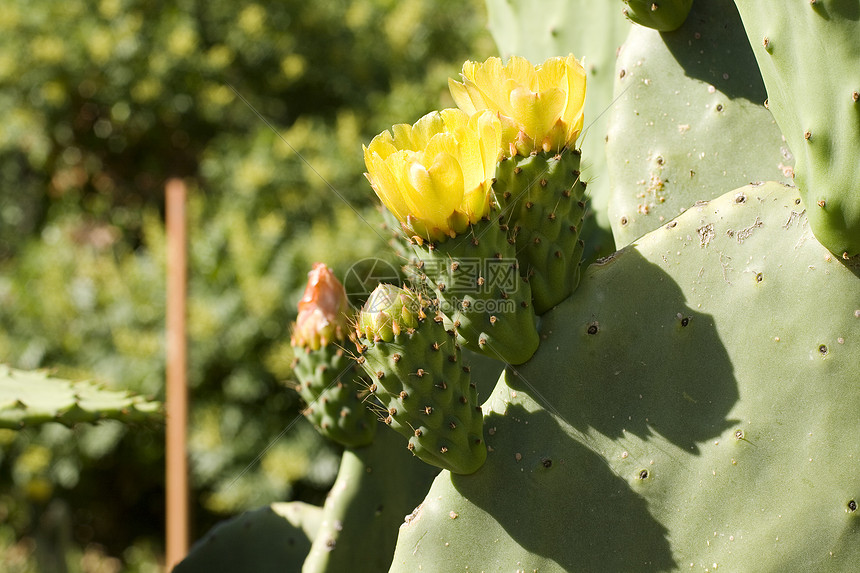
(389, 311)
(323, 311)
(540, 107)
(436, 176)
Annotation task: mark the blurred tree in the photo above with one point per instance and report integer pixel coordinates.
(102, 101)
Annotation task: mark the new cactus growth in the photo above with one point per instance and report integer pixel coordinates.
(420, 379)
(809, 55)
(326, 375)
(662, 15)
(544, 205)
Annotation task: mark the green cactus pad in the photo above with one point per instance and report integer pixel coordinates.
(689, 121)
(693, 407)
(29, 398)
(275, 538)
(329, 382)
(542, 199)
(426, 394)
(376, 487)
(592, 31)
(662, 15)
(809, 55)
(476, 279)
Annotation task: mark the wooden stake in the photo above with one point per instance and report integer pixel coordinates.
(176, 478)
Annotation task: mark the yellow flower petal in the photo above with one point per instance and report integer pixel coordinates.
(403, 136)
(494, 86)
(385, 183)
(454, 118)
(440, 143)
(529, 96)
(551, 74)
(537, 113)
(383, 144)
(488, 128)
(433, 194)
(462, 97)
(476, 203)
(521, 71)
(425, 128)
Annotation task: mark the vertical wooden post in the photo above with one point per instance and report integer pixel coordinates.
(176, 476)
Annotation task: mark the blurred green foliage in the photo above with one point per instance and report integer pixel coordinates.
(102, 102)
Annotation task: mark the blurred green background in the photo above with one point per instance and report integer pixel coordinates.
(100, 103)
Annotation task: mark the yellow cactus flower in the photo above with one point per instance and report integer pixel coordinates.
(540, 106)
(436, 176)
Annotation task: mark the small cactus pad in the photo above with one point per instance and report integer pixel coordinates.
(694, 407)
(271, 539)
(28, 398)
(424, 388)
(376, 487)
(476, 279)
(809, 55)
(662, 15)
(542, 207)
(330, 384)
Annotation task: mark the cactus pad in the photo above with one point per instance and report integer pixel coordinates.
(693, 407)
(542, 198)
(376, 487)
(426, 391)
(809, 55)
(29, 398)
(271, 539)
(329, 383)
(689, 121)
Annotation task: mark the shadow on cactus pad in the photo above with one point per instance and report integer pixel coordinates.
(678, 382)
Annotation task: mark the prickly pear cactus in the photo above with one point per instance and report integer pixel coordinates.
(708, 419)
(30, 398)
(689, 121)
(272, 539)
(662, 15)
(809, 54)
(420, 379)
